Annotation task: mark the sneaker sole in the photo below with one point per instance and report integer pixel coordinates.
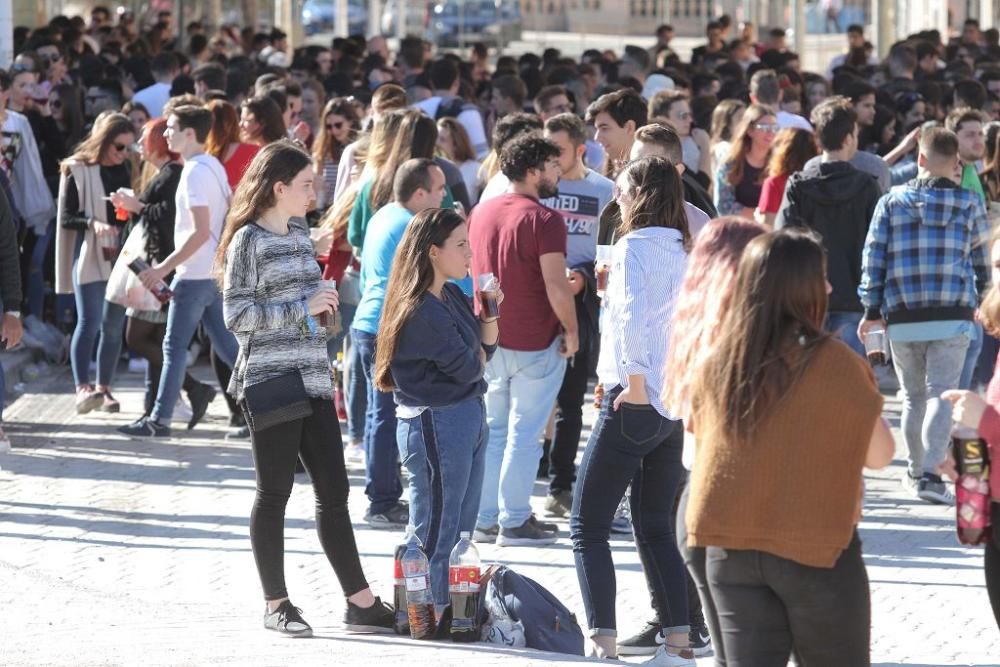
(114, 408)
(638, 650)
(935, 498)
(377, 525)
(700, 652)
(485, 539)
(525, 541)
(368, 629)
(292, 635)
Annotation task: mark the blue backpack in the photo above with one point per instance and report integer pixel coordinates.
(548, 624)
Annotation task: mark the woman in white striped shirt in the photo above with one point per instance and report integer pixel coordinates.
(635, 439)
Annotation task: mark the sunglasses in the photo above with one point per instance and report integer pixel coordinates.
(335, 126)
(121, 148)
(684, 115)
(559, 108)
(767, 127)
(55, 104)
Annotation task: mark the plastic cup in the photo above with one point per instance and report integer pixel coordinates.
(877, 347)
(488, 295)
(109, 247)
(602, 267)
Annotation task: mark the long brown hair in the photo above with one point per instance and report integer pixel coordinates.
(326, 146)
(93, 149)
(462, 151)
(417, 137)
(705, 295)
(278, 162)
(722, 120)
(792, 148)
(225, 128)
(658, 197)
(268, 115)
(742, 141)
(412, 274)
(766, 336)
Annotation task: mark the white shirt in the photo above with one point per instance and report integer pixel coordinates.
(470, 174)
(497, 186)
(153, 98)
(647, 269)
(203, 183)
(697, 219)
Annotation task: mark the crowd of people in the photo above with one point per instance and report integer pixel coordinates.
(438, 252)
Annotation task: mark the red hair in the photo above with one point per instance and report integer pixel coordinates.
(704, 296)
(153, 141)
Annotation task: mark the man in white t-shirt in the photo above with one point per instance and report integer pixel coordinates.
(164, 67)
(444, 79)
(202, 202)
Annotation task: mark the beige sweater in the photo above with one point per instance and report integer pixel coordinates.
(90, 266)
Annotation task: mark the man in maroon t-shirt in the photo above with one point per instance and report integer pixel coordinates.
(523, 244)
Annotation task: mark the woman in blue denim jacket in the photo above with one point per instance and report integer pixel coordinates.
(431, 354)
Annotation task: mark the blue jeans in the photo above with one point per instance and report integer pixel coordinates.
(845, 326)
(634, 444)
(355, 387)
(382, 484)
(194, 301)
(36, 266)
(95, 315)
(522, 388)
(444, 449)
(925, 370)
(971, 358)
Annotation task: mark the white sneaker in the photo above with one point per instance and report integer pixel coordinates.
(4, 442)
(354, 455)
(663, 659)
(182, 411)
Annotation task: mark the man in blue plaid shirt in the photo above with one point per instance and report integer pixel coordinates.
(924, 269)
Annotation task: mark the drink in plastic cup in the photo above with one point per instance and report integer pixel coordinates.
(876, 347)
(602, 267)
(109, 247)
(488, 295)
(327, 318)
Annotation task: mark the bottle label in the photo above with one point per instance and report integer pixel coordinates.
(416, 583)
(397, 570)
(463, 579)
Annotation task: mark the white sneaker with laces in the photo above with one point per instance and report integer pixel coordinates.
(664, 659)
(182, 411)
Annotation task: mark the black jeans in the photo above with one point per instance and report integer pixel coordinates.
(991, 564)
(632, 444)
(569, 423)
(694, 558)
(316, 439)
(770, 606)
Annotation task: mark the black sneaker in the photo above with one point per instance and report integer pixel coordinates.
(287, 619)
(145, 428)
(544, 525)
(933, 489)
(645, 642)
(200, 397)
(529, 533)
(377, 618)
(701, 641)
(394, 518)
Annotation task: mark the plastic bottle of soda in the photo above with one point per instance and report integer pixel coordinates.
(402, 624)
(463, 589)
(419, 600)
(972, 489)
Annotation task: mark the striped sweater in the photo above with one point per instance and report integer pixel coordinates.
(268, 277)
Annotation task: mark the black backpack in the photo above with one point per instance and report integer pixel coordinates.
(451, 107)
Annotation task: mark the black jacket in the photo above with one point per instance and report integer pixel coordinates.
(10, 259)
(837, 201)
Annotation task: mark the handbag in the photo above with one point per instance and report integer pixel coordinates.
(276, 401)
(124, 286)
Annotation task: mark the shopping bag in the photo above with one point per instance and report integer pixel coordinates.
(124, 286)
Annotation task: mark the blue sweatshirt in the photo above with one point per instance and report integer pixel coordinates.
(437, 356)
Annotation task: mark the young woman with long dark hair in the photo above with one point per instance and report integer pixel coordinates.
(785, 417)
(431, 354)
(99, 166)
(740, 178)
(338, 128)
(635, 440)
(272, 293)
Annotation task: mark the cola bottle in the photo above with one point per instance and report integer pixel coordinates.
(419, 599)
(463, 590)
(402, 623)
(161, 291)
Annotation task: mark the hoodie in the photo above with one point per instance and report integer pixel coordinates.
(927, 254)
(837, 201)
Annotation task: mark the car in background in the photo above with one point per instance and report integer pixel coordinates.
(460, 22)
(318, 16)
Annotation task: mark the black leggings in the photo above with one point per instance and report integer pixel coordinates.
(991, 565)
(694, 558)
(316, 439)
(146, 339)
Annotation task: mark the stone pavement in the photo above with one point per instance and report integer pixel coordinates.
(124, 552)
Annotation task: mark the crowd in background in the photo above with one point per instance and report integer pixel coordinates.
(714, 240)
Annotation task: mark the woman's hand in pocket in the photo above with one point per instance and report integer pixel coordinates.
(635, 394)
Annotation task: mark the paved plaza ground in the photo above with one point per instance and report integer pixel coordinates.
(125, 552)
